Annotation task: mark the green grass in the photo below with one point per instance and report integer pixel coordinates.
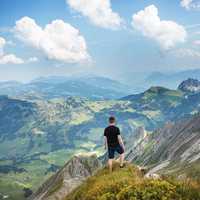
(12, 184)
(129, 184)
(59, 157)
(189, 170)
(11, 148)
(95, 134)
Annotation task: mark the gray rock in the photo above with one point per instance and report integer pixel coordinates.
(68, 178)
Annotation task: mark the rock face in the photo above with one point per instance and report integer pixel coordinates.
(68, 178)
(190, 85)
(176, 145)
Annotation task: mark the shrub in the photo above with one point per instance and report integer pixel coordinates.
(128, 184)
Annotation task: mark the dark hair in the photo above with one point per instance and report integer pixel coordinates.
(111, 119)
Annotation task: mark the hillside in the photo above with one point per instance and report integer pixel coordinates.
(38, 136)
(71, 175)
(173, 149)
(174, 152)
(129, 183)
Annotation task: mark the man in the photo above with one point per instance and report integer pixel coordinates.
(113, 143)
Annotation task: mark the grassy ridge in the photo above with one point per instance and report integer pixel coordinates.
(129, 184)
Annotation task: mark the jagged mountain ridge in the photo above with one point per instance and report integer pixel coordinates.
(72, 174)
(170, 149)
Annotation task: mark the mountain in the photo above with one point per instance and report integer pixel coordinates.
(127, 184)
(190, 85)
(170, 79)
(71, 175)
(39, 135)
(57, 86)
(173, 149)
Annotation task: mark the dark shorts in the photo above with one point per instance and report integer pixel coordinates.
(111, 151)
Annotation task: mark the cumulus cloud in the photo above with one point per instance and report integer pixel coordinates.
(99, 12)
(58, 40)
(32, 59)
(2, 44)
(28, 31)
(186, 3)
(190, 4)
(8, 58)
(166, 33)
(186, 52)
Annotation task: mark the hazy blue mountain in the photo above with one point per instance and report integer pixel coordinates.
(57, 86)
(171, 79)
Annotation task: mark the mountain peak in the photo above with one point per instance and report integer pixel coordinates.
(190, 85)
(157, 89)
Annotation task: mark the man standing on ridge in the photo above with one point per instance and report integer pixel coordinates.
(113, 142)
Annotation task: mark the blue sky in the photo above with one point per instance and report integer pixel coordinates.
(103, 40)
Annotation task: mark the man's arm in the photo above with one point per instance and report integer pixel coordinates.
(105, 142)
(121, 141)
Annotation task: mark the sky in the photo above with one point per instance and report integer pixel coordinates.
(114, 38)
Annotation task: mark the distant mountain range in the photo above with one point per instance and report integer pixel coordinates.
(93, 87)
(170, 79)
(96, 88)
(38, 135)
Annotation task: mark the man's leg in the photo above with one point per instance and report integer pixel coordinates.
(120, 150)
(122, 159)
(111, 153)
(110, 161)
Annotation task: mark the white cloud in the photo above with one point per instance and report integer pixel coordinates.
(190, 4)
(32, 59)
(186, 52)
(8, 58)
(2, 44)
(186, 3)
(28, 31)
(58, 40)
(166, 33)
(99, 12)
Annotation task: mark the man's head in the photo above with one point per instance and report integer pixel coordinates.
(111, 120)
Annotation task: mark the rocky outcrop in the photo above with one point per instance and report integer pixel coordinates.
(190, 85)
(175, 145)
(68, 178)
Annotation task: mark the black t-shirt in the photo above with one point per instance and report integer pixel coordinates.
(111, 133)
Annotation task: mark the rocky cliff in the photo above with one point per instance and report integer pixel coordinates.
(69, 177)
(190, 85)
(175, 148)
